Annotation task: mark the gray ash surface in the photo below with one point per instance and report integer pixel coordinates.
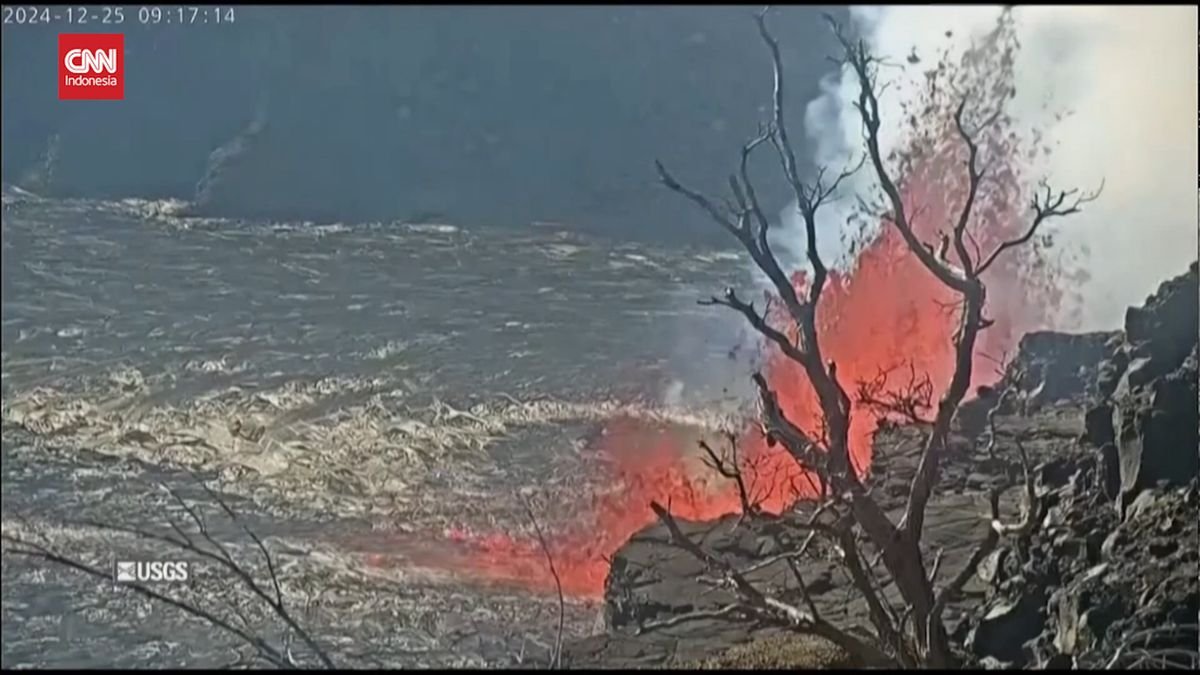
(350, 389)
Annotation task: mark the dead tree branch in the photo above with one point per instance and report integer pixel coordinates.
(30, 549)
(997, 529)
(726, 612)
(727, 466)
(908, 401)
(823, 454)
(556, 654)
(757, 321)
(209, 548)
(882, 617)
(1045, 205)
(219, 554)
(865, 68)
(1138, 649)
(991, 420)
(764, 606)
(755, 241)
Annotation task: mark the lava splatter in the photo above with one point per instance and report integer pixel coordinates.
(886, 312)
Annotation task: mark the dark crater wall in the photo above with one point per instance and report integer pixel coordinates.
(481, 115)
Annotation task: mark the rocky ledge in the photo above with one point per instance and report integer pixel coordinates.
(1110, 575)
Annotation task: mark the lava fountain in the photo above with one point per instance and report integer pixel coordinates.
(886, 312)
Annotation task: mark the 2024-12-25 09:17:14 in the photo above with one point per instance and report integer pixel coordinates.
(113, 16)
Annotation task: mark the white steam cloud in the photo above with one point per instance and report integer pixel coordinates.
(1113, 88)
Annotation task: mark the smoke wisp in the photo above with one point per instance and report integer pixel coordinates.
(1110, 91)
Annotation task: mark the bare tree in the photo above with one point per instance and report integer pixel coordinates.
(915, 637)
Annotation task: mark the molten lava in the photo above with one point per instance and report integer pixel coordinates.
(887, 312)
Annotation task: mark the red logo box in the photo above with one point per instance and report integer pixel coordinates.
(91, 66)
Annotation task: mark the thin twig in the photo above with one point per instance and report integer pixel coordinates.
(34, 550)
(219, 554)
(556, 655)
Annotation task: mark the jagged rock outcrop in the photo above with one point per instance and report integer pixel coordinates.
(651, 580)
(1148, 391)
(1050, 367)
(1088, 582)
(1095, 585)
(1091, 584)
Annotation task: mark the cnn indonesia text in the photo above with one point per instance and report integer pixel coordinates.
(84, 62)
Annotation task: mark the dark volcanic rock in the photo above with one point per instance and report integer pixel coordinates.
(1158, 336)
(1088, 580)
(1085, 582)
(1107, 578)
(1084, 612)
(1006, 627)
(1110, 463)
(1156, 430)
(1150, 389)
(1165, 328)
(1154, 566)
(1051, 367)
(650, 579)
(1098, 425)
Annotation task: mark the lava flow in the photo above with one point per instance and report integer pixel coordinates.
(887, 312)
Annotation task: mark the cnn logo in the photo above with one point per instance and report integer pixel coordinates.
(91, 66)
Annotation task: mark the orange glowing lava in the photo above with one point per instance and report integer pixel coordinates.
(887, 312)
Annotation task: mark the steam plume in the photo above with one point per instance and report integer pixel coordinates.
(1111, 89)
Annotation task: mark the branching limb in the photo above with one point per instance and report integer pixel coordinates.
(734, 611)
(865, 66)
(812, 459)
(991, 419)
(253, 537)
(937, 564)
(809, 198)
(996, 530)
(738, 220)
(974, 176)
(738, 224)
(738, 228)
(26, 548)
(764, 606)
(712, 562)
(276, 604)
(881, 615)
(815, 527)
(758, 321)
(745, 194)
(909, 401)
(823, 453)
(727, 466)
(1138, 649)
(803, 194)
(208, 547)
(1045, 205)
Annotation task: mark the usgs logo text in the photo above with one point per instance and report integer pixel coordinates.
(128, 571)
